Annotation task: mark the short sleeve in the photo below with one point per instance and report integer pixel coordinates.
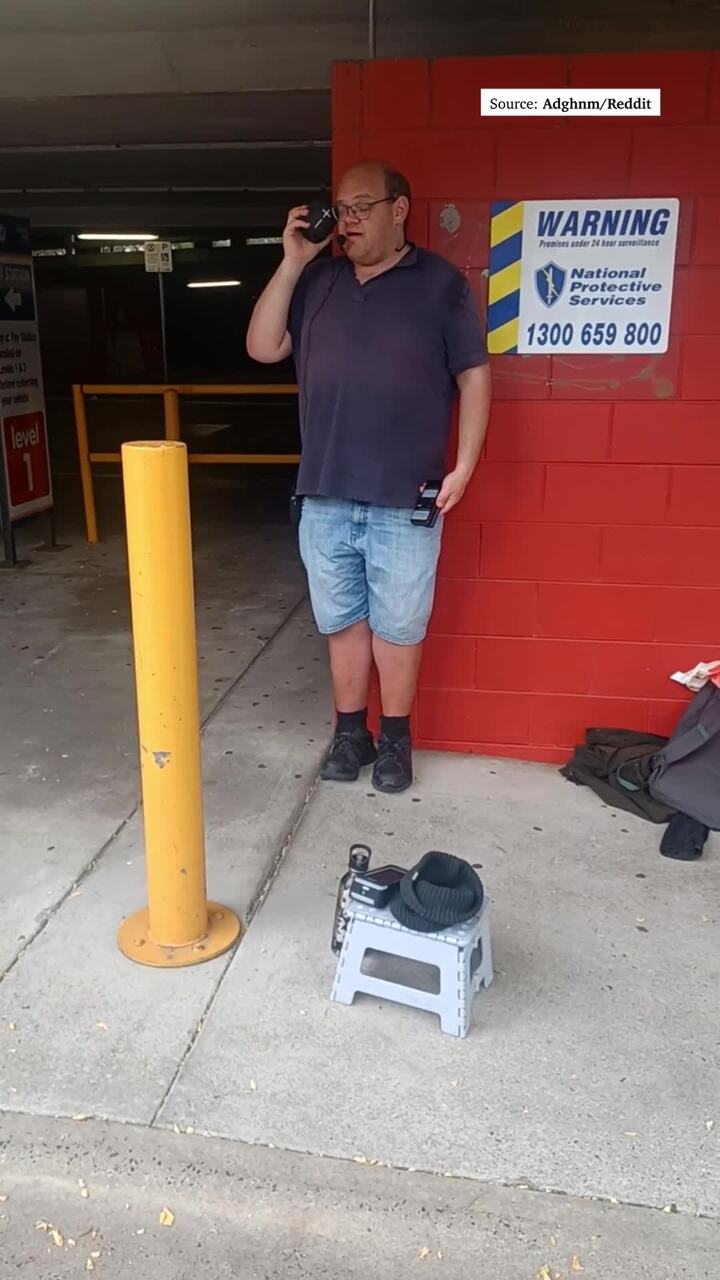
(463, 330)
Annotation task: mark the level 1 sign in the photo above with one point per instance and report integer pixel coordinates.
(26, 454)
(581, 275)
(24, 461)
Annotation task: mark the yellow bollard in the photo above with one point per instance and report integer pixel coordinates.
(179, 926)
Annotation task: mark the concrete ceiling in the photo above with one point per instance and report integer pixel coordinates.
(230, 98)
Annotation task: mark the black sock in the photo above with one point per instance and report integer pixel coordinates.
(350, 721)
(395, 727)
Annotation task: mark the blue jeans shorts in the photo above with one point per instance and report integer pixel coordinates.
(365, 561)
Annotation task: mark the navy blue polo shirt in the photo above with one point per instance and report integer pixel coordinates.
(375, 366)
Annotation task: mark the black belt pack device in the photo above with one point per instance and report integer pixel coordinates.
(426, 510)
(375, 888)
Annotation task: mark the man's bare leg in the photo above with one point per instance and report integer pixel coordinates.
(398, 666)
(352, 746)
(350, 662)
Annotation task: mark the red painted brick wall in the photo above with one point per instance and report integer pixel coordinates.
(584, 563)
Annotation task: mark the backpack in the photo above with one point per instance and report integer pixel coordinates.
(686, 772)
(616, 764)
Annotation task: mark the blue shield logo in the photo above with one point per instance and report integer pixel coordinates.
(550, 282)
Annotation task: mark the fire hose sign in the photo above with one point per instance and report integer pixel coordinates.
(23, 431)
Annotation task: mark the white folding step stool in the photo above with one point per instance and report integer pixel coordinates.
(462, 954)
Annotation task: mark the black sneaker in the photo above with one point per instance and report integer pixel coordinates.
(393, 768)
(348, 754)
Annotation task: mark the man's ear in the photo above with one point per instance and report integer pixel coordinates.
(401, 208)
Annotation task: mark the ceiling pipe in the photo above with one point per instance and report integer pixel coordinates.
(372, 28)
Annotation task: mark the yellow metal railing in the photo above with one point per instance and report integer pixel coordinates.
(171, 405)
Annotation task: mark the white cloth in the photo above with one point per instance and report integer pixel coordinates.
(698, 677)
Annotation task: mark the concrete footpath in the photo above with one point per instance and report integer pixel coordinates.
(576, 1127)
(228, 1120)
(250, 1213)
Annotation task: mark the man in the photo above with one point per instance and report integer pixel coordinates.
(382, 338)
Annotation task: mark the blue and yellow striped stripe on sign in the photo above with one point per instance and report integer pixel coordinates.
(506, 226)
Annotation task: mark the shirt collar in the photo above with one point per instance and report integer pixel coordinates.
(409, 259)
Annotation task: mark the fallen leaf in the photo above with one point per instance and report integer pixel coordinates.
(56, 1236)
(89, 1265)
(709, 1125)
(95, 1253)
(71, 1243)
(575, 1264)
(84, 1193)
(454, 1084)
(167, 1217)
(11, 1026)
(424, 1252)
(253, 1086)
(553, 1241)
(544, 1273)
(360, 1159)
(102, 1026)
(441, 1255)
(42, 1225)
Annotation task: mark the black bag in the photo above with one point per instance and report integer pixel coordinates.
(617, 764)
(686, 772)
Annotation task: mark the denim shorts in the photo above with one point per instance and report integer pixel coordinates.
(365, 561)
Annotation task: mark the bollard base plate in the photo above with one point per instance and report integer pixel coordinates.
(133, 939)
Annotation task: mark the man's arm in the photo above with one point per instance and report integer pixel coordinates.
(474, 386)
(268, 340)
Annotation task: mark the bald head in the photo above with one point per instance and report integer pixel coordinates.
(373, 201)
(392, 182)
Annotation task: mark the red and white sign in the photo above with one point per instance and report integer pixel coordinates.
(27, 464)
(25, 470)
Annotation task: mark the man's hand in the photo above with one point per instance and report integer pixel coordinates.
(453, 488)
(298, 250)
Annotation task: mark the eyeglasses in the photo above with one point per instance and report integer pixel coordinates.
(362, 210)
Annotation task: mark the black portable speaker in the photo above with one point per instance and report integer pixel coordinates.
(322, 219)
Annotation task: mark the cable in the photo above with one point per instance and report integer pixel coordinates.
(371, 28)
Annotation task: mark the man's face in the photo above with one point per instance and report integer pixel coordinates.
(371, 230)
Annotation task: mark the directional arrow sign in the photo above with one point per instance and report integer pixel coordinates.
(13, 299)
